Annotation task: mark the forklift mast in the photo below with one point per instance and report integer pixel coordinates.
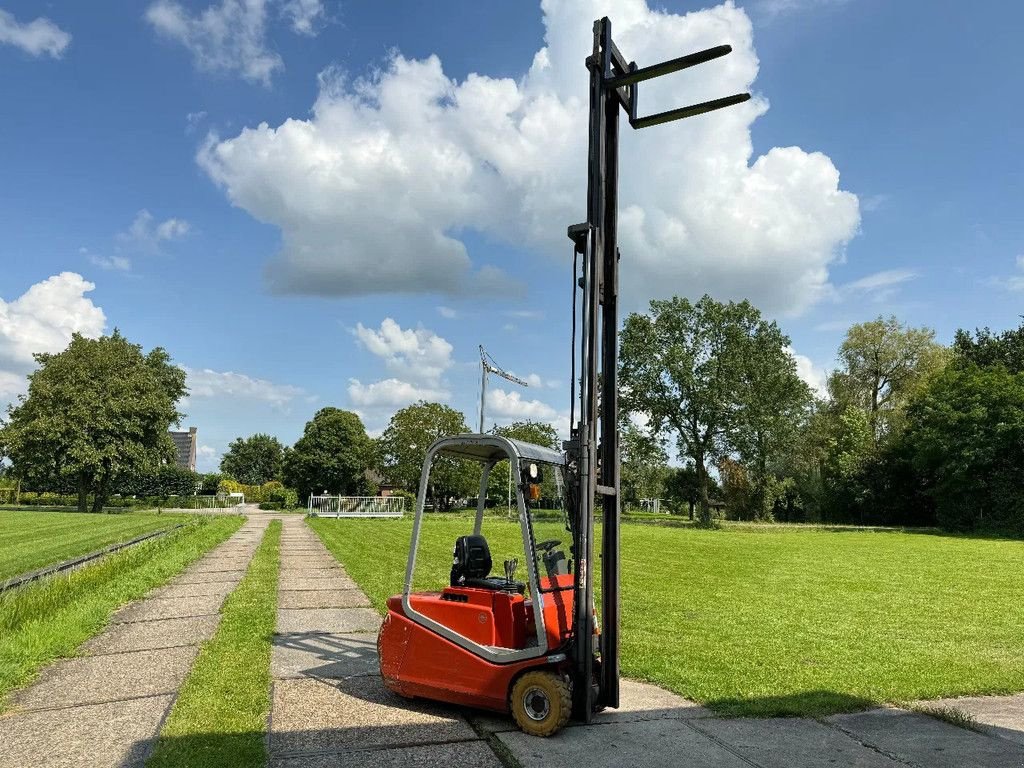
(593, 447)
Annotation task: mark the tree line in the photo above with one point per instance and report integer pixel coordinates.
(909, 432)
(336, 456)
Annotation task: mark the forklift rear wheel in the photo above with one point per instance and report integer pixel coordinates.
(541, 703)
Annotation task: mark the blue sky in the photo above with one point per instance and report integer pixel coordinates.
(395, 210)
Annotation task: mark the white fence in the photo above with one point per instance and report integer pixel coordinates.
(356, 506)
(207, 502)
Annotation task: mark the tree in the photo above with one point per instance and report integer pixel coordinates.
(528, 431)
(849, 449)
(965, 434)
(681, 487)
(536, 432)
(987, 349)
(254, 460)
(403, 446)
(882, 364)
(774, 404)
(643, 464)
(97, 410)
(332, 455)
(698, 370)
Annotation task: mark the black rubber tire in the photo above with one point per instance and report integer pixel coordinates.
(554, 695)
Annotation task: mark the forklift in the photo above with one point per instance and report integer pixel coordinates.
(538, 648)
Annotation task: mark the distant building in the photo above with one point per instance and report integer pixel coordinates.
(384, 486)
(185, 445)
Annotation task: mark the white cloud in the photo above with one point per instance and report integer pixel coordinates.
(392, 393)
(883, 279)
(503, 404)
(119, 263)
(833, 325)
(229, 37)
(447, 313)
(203, 383)
(304, 15)
(873, 203)
(525, 314)
(371, 190)
(880, 285)
(11, 385)
(205, 450)
(1012, 282)
(193, 119)
(43, 319)
(418, 355)
(536, 381)
(814, 376)
(146, 234)
(419, 359)
(35, 37)
(773, 8)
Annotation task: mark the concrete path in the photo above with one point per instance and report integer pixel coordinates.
(329, 705)
(106, 707)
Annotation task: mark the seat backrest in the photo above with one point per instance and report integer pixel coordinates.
(470, 560)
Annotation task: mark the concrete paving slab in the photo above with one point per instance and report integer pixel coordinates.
(313, 563)
(98, 735)
(343, 598)
(925, 741)
(319, 655)
(95, 679)
(150, 635)
(643, 744)
(209, 578)
(154, 608)
(287, 581)
(311, 716)
(333, 620)
(1001, 716)
(791, 743)
(473, 754)
(638, 701)
(643, 701)
(215, 566)
(222, 588)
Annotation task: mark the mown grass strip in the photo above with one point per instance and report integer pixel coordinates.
(220, 716)
(31, 540)
(48, 620)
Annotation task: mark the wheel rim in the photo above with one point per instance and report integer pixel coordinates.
(536, 704)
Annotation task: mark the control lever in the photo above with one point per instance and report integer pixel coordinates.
(510, 569)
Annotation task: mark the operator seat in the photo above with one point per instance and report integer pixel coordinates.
(471, 562)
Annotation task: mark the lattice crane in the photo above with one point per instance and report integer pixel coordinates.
(487, 365)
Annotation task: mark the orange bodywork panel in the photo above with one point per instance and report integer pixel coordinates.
(485, 616)
(416, 661)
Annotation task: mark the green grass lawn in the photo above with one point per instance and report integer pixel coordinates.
(220, 716)
(31, 540)
(771, 621)
(49, 619)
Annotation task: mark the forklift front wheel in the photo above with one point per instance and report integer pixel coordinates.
(541, 702)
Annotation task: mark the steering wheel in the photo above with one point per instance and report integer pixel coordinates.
(547, 546)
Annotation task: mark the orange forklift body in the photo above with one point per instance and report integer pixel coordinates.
(418, 662)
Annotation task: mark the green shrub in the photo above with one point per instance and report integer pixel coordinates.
(410, 499)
